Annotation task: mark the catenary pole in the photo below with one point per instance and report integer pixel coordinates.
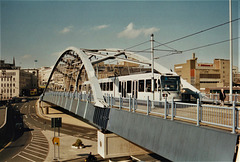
(152, 66)
(231, 50)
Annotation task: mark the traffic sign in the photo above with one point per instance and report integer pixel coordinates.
(56, 141)
(56, 122)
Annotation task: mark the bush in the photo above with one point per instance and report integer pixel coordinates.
(78, 143)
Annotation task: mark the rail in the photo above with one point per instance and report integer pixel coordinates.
(214, 98)
(200, 114)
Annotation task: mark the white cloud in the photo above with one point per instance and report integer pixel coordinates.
(131, 33)
(66, 29)
(26, 56)
(100, 27)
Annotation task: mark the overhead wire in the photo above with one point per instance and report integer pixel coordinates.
(137, 45)
(211, 44)
(191, 49)
(216, 26)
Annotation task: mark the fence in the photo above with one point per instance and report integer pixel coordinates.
(221, 116)
(214, 98)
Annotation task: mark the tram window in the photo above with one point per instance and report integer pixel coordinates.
(107, 86)
(141, 85)
(129, 86)
(119, 87)
(111, 86)
(148, 85)
(104, 85)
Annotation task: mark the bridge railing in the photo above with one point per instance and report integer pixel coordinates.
(214, 98)
(200, 114)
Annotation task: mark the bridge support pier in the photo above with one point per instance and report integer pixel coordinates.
(45, 107)
(111, 145)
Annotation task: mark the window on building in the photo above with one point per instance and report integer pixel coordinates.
(141, 85)
(210, 76)
(14, 79)
(13, 90)
(129, 86)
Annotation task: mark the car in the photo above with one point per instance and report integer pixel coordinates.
(24, 100)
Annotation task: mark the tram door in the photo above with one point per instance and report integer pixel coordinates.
(134, 92)
(124, 89)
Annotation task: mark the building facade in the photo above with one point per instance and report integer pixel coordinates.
(15, 82)
(205, 75)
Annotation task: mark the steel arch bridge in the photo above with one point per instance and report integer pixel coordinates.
(157, 134)
(77, 65)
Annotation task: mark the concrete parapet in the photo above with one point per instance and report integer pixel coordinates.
(111, 145)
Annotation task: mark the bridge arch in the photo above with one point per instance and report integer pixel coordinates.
(76, 59)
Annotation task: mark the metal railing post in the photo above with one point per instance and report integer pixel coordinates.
(147, 105)
(130, 103)
(233, 118)
(198, 106)
(165, 108)
(111, 101)
(133, 103)
(120, 105)
(172, 112)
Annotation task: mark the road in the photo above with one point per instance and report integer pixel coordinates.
(30, 144)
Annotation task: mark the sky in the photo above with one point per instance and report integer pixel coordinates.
(42, 30)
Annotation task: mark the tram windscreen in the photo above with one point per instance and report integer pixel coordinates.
(170, 83)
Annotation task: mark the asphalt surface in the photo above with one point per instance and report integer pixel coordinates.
(29, 143)
(2, 115)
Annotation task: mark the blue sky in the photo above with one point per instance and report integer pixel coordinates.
(40, 30)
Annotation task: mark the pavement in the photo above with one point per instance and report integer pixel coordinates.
(2, 115)
(65, 149)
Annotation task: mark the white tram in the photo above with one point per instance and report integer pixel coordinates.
(139, 86)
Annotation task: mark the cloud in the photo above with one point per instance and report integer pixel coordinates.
(100, 27)
(131, 33)
(66, 30)
(26, 56)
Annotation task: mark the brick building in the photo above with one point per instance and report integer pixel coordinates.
(205, 75)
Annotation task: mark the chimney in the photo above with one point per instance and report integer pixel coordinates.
(13, 61)
(193, 55)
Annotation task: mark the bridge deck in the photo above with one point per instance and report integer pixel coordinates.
(173, 139)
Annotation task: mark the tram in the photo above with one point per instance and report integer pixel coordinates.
(139, 86)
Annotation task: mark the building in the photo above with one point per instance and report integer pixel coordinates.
(205, 75)
(15, 82)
